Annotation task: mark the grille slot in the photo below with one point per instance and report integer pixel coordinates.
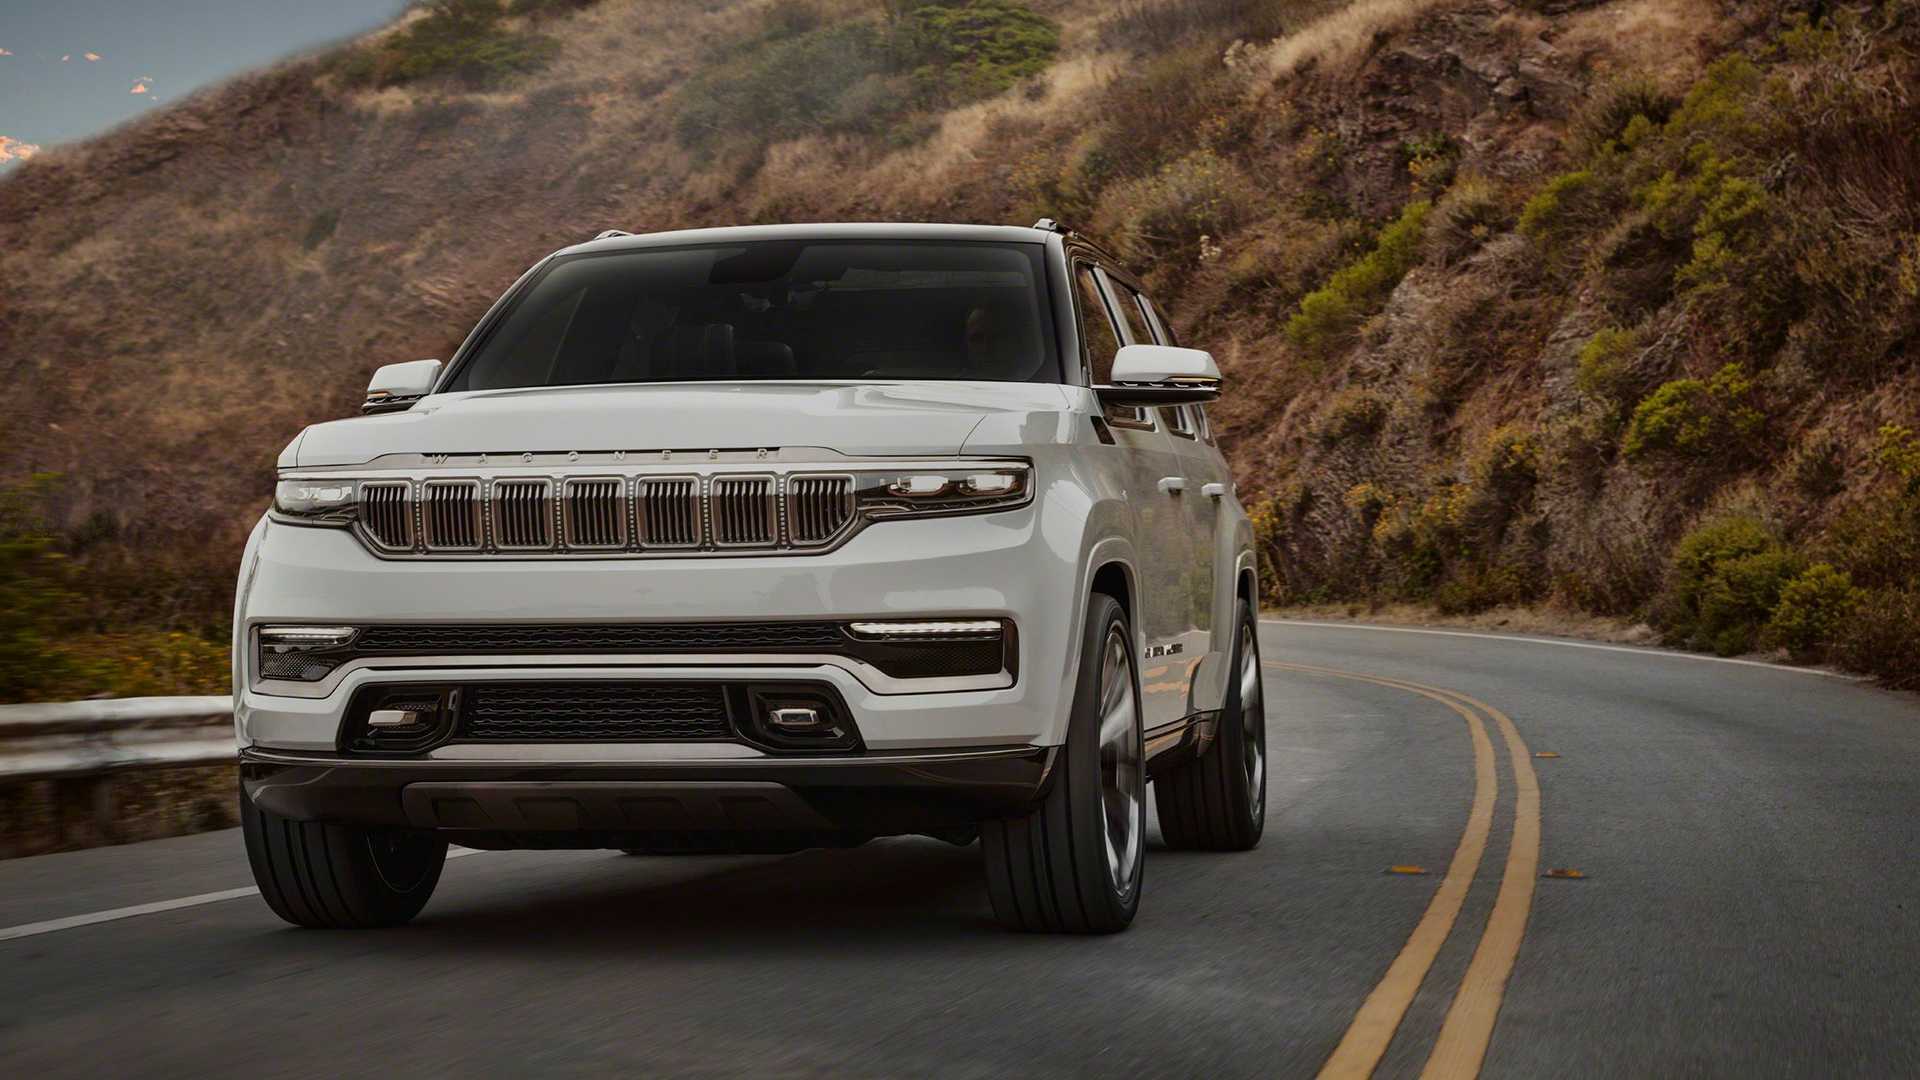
(451, 512)
(818, 507)
(598, 712)
(669, 511)
(595, 512)
(386, 511)
(743, 511)
(522, 519)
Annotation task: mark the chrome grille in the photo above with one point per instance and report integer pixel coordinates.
(521, 516)
(595, 513)
(669, 511)
(451, 513)
(386, 511)
(818, 507)
(743, 512)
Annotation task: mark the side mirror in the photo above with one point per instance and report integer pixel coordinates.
(1160, 375)
(396, 387)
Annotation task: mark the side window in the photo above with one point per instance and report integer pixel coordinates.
(1096, 324)
(1206, 426)
(1145, 327)
(1102, 343)
(1160, 320)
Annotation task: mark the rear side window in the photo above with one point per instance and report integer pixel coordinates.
(1138, 330)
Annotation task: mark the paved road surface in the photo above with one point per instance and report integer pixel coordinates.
(1750, 906)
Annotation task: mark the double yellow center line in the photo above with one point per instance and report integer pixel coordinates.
(1468, 1028)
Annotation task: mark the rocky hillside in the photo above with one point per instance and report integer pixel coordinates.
(1610, 305)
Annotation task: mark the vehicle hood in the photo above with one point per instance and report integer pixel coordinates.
(933, 418)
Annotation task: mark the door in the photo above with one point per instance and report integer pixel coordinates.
(1200, 518)
(1157, 497)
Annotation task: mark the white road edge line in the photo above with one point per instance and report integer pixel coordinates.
(1662, 654)
(33, 929)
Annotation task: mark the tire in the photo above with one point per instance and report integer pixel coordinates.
(1075, 864)
(338, 876)
(1218, 801)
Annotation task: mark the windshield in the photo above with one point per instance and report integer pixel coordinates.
(777, 309)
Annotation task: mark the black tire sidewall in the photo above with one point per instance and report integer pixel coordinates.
(1081, 769)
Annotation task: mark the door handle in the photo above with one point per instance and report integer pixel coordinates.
(1173, 485)
(1214, 491)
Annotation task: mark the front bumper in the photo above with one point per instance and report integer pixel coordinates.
(571, 796)
(1000, 566)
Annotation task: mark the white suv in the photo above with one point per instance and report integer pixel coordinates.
(754, 540)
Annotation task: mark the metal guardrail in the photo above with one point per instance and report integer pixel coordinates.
(84, 738)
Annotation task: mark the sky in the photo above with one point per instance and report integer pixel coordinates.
(74, 68)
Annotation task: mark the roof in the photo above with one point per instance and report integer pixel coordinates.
(1015, 234)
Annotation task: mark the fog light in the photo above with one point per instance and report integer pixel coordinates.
(794, 717)
(795, 720)
(387, 719)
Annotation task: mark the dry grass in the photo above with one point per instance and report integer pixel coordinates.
(1334, 42)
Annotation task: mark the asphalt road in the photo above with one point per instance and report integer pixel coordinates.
(1749, 906)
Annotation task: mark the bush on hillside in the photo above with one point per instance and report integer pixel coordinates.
(962, 50)
(1328, 316)
(1604, 370)
(1724, 583)
(1571, 204)
(1692, 418)
(862, 76)
(34, 596)
(1880, 637)
(465, 40)
(1353, 416)
(1151, 26)
(1618, 115)
(1472, 212)
(1201, 194)
(1814, 612)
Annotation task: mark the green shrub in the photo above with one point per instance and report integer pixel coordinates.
(34, 596)
(461, 39)
(1724, 582)
(1330, 314)
(1898, 451)
(1569, 206)
(1604, 369)
(861, 76)
(1150, 26)
(1472, 212)
(1696, 419)
(1199, 195)
(961, 50)
(1505, 469)
(1619, 115)
(826, 79)
(1881, 638)
(1813, 611)
(1353, 415)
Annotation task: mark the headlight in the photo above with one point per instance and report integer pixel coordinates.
(964, 489)
(317, 502)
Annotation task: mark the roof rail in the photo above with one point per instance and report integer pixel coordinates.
(613, 232)
(1051, 225)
